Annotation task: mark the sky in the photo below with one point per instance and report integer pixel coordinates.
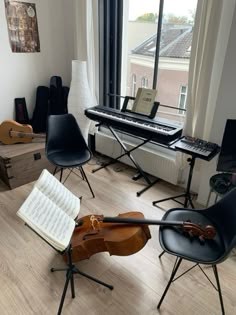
(178, 8)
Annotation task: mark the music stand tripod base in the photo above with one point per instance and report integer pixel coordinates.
(188, 199)
(187, 195)
(71, 270)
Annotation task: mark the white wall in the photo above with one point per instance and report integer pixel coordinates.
(21, 73)
(225, 109)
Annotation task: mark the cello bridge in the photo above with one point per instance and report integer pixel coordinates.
(94, 222)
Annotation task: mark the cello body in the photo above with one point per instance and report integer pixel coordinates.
(115, 238)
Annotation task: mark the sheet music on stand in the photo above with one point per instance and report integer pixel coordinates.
(143, 104)
(50, 211)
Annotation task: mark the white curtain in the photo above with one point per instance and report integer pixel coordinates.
(87, 39)
(210, 36)
(86, 12)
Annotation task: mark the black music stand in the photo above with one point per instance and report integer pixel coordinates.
(187, 194)
(71, 269)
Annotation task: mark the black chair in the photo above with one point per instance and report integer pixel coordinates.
(220, 184)
(222, 216)
(65, 145)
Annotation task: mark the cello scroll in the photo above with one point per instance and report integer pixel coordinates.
(207, 232)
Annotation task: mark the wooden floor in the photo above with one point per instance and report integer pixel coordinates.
(28, 287)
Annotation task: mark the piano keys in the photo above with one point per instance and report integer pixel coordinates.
(158, 130)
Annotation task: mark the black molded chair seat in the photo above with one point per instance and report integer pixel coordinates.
(175, 240)
(69, 159)
(66, 146)
(222, 216)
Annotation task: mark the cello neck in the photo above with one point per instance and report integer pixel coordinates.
(207, 232)
(141, 221)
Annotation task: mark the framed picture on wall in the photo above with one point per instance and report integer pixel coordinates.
(22, 26)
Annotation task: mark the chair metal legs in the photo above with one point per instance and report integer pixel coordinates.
(173, 278)
(176, 267)
(84, 177)
(162, 253)
(219, 288)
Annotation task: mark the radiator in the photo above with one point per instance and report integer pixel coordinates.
(154, 160)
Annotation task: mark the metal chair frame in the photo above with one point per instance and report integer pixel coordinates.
(82, 172)
(173, 278)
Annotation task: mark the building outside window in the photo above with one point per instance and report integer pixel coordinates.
(134, 83)
(140, 31)
(144, 82)
(182, 99)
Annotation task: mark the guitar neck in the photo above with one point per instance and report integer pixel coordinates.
(20, 134)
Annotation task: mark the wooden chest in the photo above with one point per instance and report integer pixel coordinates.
(23, 163)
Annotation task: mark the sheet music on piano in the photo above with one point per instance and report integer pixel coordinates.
(143, 104)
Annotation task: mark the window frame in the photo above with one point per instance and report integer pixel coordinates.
(134, 84)
(110, 53)
(144, 82)
(182, 110)
(110, 50)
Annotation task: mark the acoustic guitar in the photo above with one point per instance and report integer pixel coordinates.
(12, 132)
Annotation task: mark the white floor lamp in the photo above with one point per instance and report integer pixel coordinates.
(80, 96)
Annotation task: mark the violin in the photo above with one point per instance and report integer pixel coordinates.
(123, 235)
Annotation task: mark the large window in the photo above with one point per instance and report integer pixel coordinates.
(182, 99)
(164, 63)
(134, 84)
(144, 82)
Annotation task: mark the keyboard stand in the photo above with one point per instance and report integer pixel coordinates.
(195, 152)
(187, 195)
(128, 153)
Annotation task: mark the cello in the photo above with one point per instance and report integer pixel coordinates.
(123, 235)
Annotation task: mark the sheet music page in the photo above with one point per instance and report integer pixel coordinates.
(58, 193)
(47, 219)
(144, 101)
